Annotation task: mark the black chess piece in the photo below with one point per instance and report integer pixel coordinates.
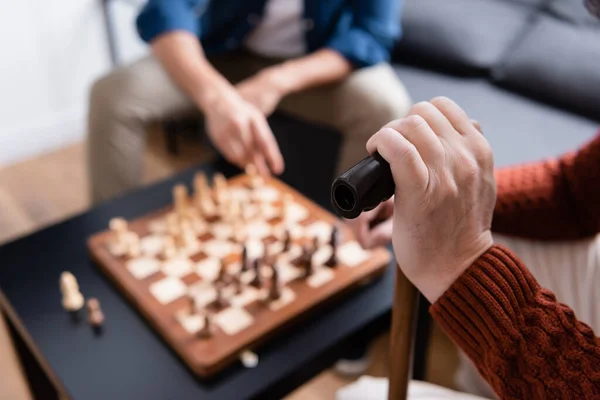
(275, 288)
(220, 301)
(257, 280)
(244, 259)
(334, 242)
(287, 239)
(306, 261)
(207, 330)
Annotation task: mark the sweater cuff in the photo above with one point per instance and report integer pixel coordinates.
(483, 307)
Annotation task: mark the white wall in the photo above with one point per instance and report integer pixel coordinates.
(51, 52)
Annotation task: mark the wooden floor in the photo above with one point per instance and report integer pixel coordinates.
(50, 188)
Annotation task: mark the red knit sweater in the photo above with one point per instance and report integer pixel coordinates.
(524, 342)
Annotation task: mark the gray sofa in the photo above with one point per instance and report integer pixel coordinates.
(529, 70)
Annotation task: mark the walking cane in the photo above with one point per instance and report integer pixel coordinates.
(359, 189)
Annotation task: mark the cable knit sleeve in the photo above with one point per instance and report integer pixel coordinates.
(551, 200)
(523, 342)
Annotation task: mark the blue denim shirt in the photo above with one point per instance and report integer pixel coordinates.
(363, 31)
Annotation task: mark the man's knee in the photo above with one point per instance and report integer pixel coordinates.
(113, 95)
(378, 96)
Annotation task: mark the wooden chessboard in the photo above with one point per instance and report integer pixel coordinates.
(160, 288)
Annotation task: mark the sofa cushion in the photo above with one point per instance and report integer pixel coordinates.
(557, 61)
(463, 34)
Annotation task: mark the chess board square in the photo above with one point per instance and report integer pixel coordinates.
(152, 245)
(192, 323)
(322, 255)
(248, 295)
(168, 289)
(143, 267)
(287, 296)
(177, 267)
(319, 229)
(221, 230)
(266, 194)
(191, 278)
(269, 212)
(287, 272)
(204, 293)
(200, 227)
(296, 231)
(258, 229)
(352, 254)
(209, 268)
(116, 249)
(320, 277)
(295, 213)
(192, 248)
(233, 320)
(240, 194)
(218, 248)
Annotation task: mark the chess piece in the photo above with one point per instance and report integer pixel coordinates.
(133, 245)
(220, 190)
(207, 329)
(315, 244)
(95, 314)
(305, 261)
(275, 288)
(222, 276)
(119, 228)
(287, 239)
(334, 242)
(173, 227)
(235, 210)
(244, 261)
(202, 195)
(255, 179)
(169, 249)
(72, 299)
(286, 203)
(237, 285)
(220, 301)
(180, 199)
(257, 280)
(193, 304)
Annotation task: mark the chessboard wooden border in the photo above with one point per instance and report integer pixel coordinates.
(229, 348)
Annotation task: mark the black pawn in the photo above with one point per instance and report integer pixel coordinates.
(256, 281)
(244, 259)
(275, 289)
(334, 242)
(306, 261)
(286, 240)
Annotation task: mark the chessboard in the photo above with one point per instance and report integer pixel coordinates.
(226, 267)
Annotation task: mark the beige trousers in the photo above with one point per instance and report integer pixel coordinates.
(125, 101)
(569, 269)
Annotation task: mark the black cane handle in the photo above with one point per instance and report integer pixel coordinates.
(363, 187)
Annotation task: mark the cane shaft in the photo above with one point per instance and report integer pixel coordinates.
(404, 314)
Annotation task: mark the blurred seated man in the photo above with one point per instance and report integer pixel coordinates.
(235, 62)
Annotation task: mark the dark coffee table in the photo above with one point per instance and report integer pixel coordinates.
(128, 360)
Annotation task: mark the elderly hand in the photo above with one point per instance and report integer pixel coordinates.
(445, 192)
(263, 90)
(241, 133)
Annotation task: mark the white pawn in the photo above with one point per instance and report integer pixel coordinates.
(72, 299)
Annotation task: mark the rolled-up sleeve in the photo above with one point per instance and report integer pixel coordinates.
(372, 33)
(160, 16)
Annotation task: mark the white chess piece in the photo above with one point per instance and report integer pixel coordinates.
(72, 299)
